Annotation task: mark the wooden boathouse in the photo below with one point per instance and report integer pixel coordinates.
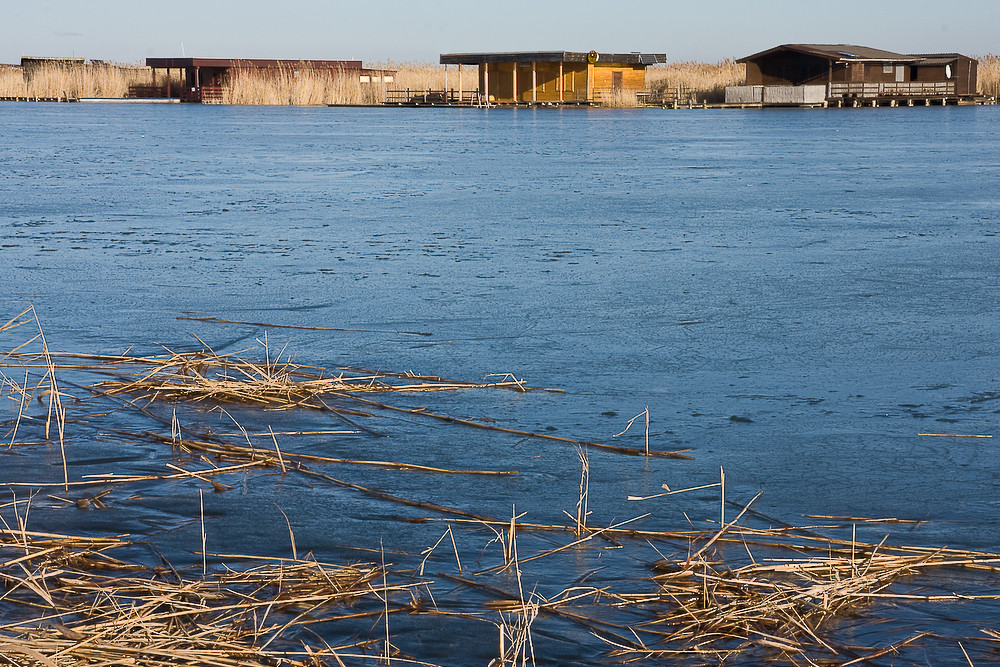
(202, 79)
(846, 74)
(555, 77)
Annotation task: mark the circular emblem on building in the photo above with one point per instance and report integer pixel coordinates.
(593, 57)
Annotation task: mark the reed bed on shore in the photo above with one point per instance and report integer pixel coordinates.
(734, 589)
(304, 86)
(989, 75)
(684, 80)
(299, 86)
(107, 80)
(429, 76)
(11, 81)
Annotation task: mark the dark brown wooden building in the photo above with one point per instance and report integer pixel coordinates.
(202, 79)
(847, 72)
(555, 77)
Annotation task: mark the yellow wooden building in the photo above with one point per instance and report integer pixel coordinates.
(555, 77)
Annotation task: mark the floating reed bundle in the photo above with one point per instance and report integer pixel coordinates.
(789, 605)
(67, 602)
(203, 376)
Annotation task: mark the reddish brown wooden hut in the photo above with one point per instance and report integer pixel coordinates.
(202, 78)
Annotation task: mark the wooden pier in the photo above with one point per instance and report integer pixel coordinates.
(839, 104)
(434, 98)
(35, 98)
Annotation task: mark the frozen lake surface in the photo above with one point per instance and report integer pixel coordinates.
(795, 295)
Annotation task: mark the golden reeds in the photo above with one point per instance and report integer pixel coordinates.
(298, 86)
(989, 75)
(619, 98)
(73, 81)
(308, 86)
(418, 76)
(68, 602)
(11, 81)
(691, 80)
(704, 607)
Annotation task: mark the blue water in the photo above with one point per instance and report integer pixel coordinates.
(795, 295)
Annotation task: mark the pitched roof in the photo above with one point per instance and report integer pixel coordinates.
(837, 52)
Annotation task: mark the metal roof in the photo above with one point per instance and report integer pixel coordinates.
(634, 58)
(251, 62)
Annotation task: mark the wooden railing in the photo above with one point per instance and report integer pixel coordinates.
(893, 89)
(680, 94)
(205, 94)
(141, 90)
(621, 96)
(428, 97)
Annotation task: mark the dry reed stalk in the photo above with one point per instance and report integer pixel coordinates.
(217, 320)
(115, 480)
(22, 391)
(426, 553)
(859, 519)
(581, 504)
(668, 492)
(385, 600)
(645, 413)
(423, 412)
(251, 456)
(204, 535)
(47, 386)
(516, 648)
(594, 534)
(55, 402)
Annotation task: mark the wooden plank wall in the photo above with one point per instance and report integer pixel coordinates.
(579, 81)
(501, 82)
(633, 76)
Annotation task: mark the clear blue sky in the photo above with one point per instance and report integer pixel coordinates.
(402, 30)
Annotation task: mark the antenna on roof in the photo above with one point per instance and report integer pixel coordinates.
(183, 55)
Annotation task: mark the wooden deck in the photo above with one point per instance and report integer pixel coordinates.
(846, 104)
(433, 98)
